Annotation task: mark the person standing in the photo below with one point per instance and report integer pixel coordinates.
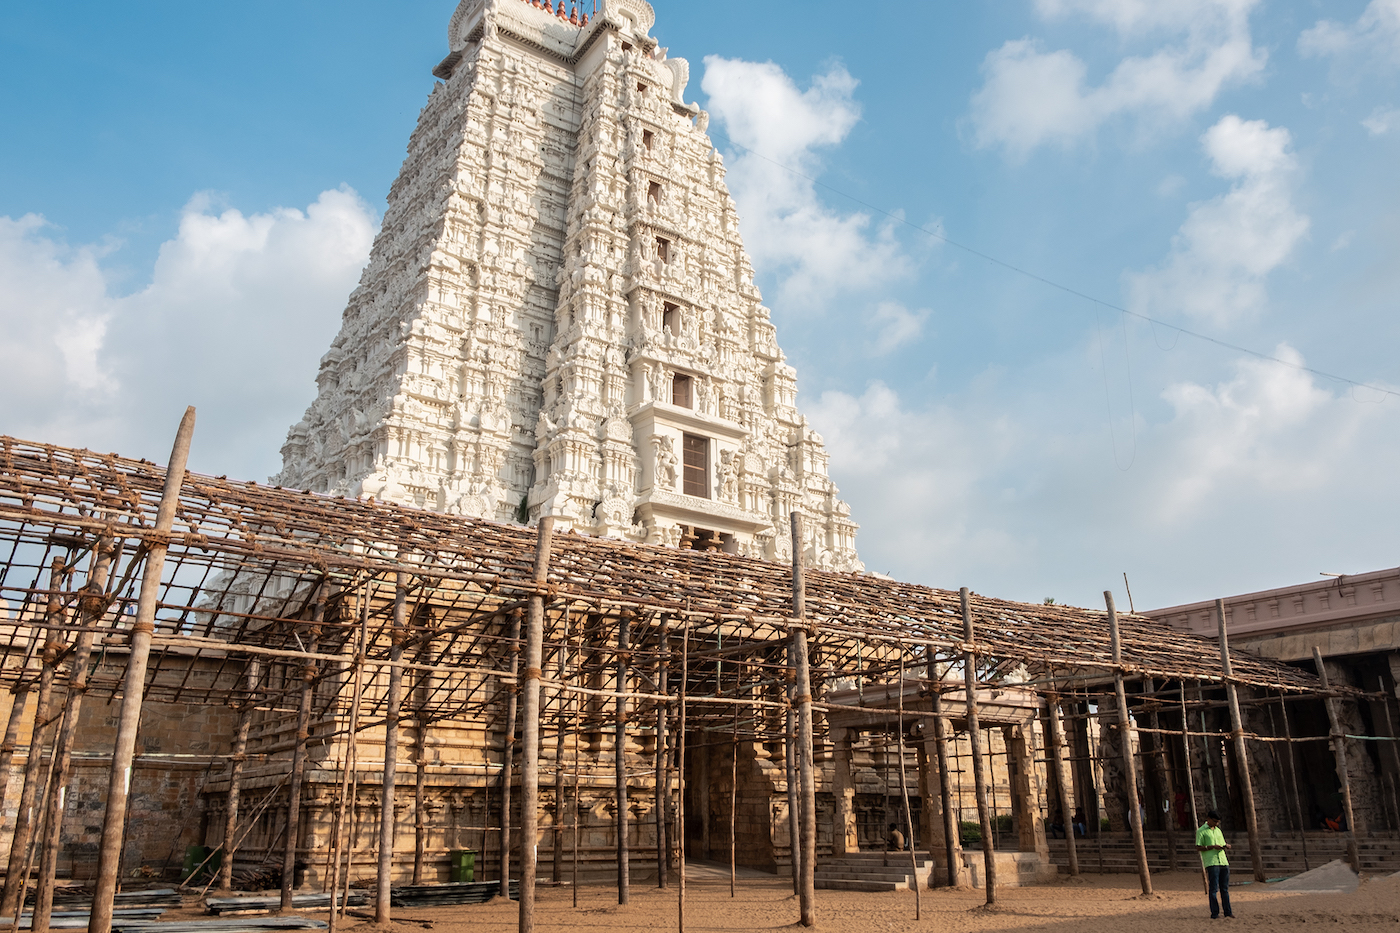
(1210, 842)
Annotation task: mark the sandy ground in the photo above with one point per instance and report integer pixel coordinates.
(1096, 904)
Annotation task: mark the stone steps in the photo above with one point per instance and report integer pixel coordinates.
(873, 871)
(1283, 855)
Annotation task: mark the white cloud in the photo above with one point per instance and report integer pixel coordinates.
(1270, 428)
(1013, 487)
(1031, 97)
(1382, 120)
(238, 311)
(1226, 248)
(895, 325)
(817, 255)
(1375, 35)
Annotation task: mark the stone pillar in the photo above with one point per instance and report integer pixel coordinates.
(1027, 789)
(934, 832)
(1115, 791)
(843, 835)
(1084, 790)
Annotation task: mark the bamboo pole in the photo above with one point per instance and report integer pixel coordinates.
(383, 903)
(1251, 818)
(309, 673)
(578, 785)
(1293, 781)
(951, 842)
(349, 784)
(508, 754)
(1191, 780)
(733, 804)
(133, 687)
(790, 763)
(1339, 752)
(1159, 751)
(623, 822)
(807, 802)
(904, 792)
(235, 777)
(560, 698)
(680, 776)
(420, 822)
(974, 733)
(1057, 757)
(17, 873)
(530, 733)
(92, 606)
(663, 849)
(20, 692)
(1125, 736)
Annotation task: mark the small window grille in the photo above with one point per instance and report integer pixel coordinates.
(663, 249)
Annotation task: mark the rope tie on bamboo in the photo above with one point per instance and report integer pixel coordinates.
(799, 700)
(156, 539)
(143, 628)
(534, 673)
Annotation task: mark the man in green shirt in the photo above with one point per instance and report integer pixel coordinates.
(1210, 842)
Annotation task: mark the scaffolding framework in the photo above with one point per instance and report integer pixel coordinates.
(354, 615)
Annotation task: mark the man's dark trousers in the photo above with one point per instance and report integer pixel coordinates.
(1219, 876)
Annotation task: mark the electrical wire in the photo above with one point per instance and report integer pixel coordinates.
(1354, 384)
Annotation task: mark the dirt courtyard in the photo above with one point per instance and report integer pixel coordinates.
(1096, 904)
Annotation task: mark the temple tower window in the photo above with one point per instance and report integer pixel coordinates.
(697, 466)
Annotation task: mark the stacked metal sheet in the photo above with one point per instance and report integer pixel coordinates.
(449, 895)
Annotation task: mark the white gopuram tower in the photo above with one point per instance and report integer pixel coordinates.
(558, 316)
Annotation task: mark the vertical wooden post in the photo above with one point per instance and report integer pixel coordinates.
(974, 733)
(508, 751)
(92, 606)
(904, 793)
(342, 832)
(560, 699)
(807, 802)
(420, 788)
(623, 823)
(578, 784)
(134, 686)
(1251, 818)
(663, 847)
(680, 777)
(393, 708)
(1125, 735)
(235, 777)
(20, 692)
(1190, 778)
(734, 803)
(1339, 752)
(790, 763)
(1293, 781)
(530, 730)
(1057, 760)
(308, 688)
(17, 875)
(952, 844)
(1159, 752)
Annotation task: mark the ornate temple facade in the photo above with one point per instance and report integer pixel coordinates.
(559, 317)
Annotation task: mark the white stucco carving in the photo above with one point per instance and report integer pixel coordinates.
(558, 316)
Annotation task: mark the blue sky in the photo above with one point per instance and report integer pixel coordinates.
(187, 195)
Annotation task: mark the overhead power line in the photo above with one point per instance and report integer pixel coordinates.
(1010, 267)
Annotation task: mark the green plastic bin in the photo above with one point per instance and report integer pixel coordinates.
(195, 858)
(463, 862)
